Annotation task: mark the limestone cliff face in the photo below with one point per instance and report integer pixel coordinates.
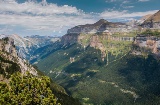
(100, 26)
(99, 36)
(7, 45)
(96, 43)
(69, 39)
(9, 54)
(88, 28)
(151, 43)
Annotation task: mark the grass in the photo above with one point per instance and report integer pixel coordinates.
(93, 82)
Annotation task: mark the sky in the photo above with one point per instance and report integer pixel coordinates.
(54, 17)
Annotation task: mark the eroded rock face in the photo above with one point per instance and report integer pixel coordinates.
(9, 53)
(96, 43)
(153, 21)
(69, 39)
(7, 45)
(151, 43)
(100, 26)
(98, 35)
(89, 28)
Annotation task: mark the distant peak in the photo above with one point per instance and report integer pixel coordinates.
(101, 21)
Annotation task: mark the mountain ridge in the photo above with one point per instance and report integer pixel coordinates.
(153, 21)
(12, 68)
(96, 66)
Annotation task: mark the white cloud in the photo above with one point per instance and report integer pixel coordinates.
(125, 2)
(44, 17)
(41, 16)
(36, 8)
(124, 14)
(108, 1)
(143, 0)
(128, 6)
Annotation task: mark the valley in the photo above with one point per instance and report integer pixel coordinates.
(104, 68)
(103, 63)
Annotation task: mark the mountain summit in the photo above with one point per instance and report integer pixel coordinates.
(153, 21)
(100, 22)
(99, 26)
(154, 18)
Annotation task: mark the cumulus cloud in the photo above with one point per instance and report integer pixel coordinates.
(36, 8)
(46, 17)
(41, 16)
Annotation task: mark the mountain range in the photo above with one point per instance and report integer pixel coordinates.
(108, 63)
(27, 45)
(11, 65)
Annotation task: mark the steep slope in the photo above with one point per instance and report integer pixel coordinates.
(153, 21)
(9, 54)
(126, 80)
(104, 68)
(12, 67)
(144, 18)
(99, 26)
(154, 18)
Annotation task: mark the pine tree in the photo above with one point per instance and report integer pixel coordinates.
(27, 90)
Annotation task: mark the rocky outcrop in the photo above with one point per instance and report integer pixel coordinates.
(97, 41)
(7, 45)
(153, 21)
(100, 26)
(97, 36)
(8, 53)
(69, 39)
(150, 43)
(26, 46)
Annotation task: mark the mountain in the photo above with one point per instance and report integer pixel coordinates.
(99, 26)
(153, 21)
(145, 18)
(7, 47)
(20, 81)
(27, 45)
(105, 67)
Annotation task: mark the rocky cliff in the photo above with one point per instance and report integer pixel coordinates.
(11, 63)
(100, 26)
(99, 36)
(147, 44)
(10, 59)
(153, 21)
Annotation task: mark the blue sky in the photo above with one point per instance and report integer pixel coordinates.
(54, 17)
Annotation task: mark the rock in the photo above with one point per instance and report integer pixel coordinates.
(8, 52)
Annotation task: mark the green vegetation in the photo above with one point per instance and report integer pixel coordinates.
(116, 47)
(150, 32)
(27, 90)
(85, 39)
(125, 34)
(126, 80)
(7, 67)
